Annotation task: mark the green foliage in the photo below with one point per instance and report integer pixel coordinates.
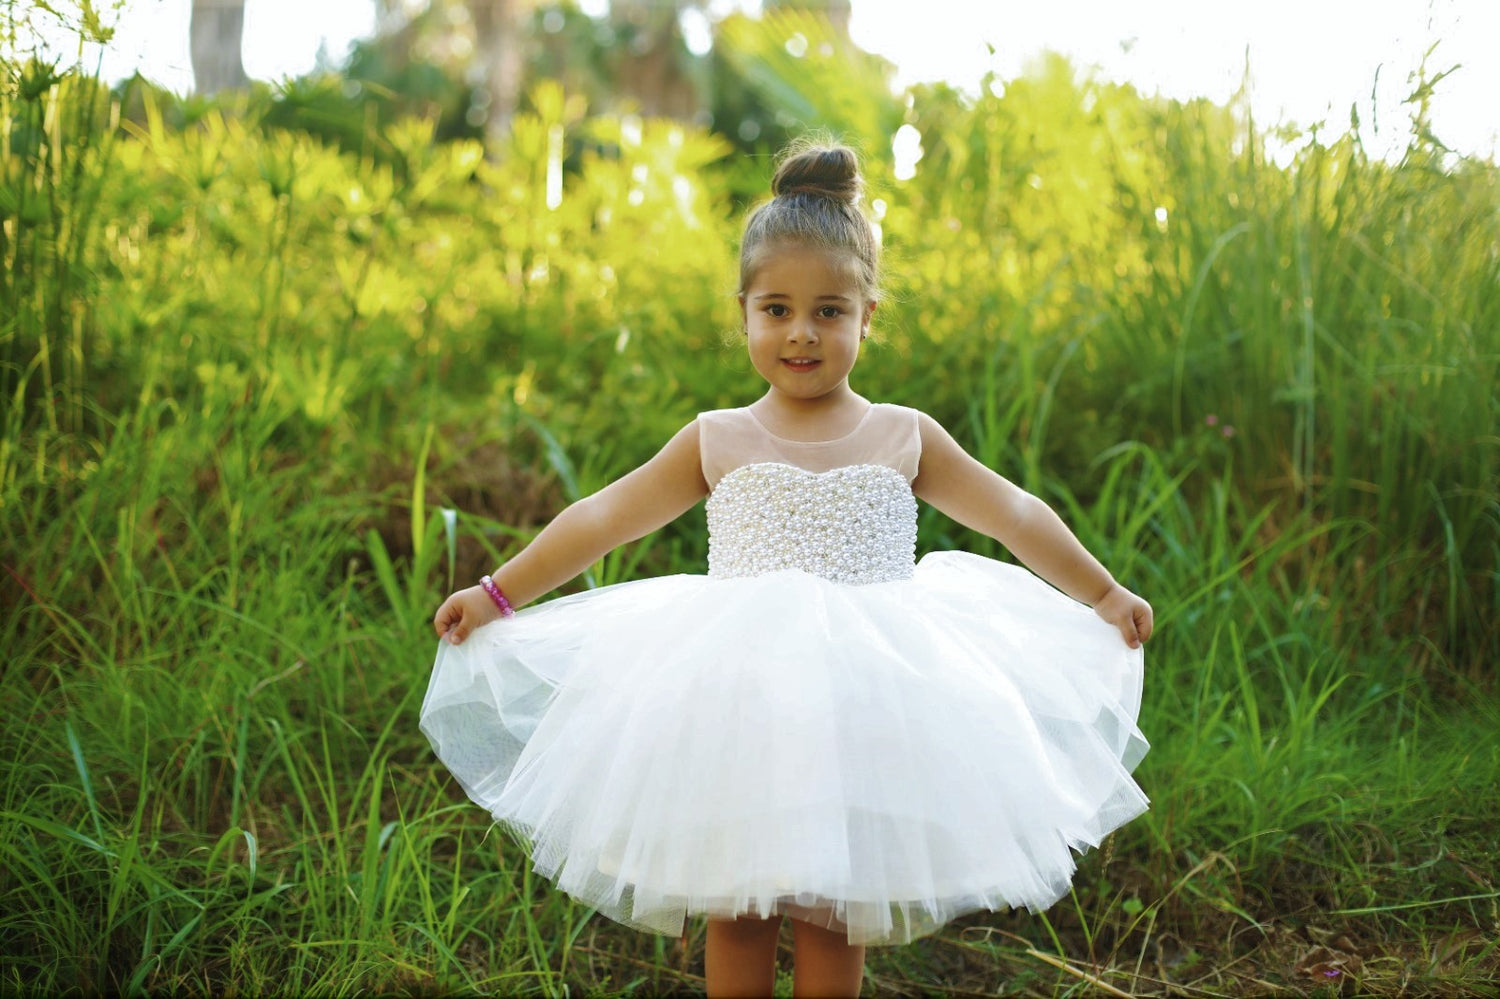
(1150, 257)
(813, 77)
(266, 395)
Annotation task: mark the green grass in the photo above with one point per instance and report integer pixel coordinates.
(263, 402)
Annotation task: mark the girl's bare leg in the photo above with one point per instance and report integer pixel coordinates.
(827, 964)
(740, 957)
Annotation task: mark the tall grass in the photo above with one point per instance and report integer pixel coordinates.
(1338, 316)
(265, 401)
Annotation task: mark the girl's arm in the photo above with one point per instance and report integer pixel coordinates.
(629, 508)
(978, 498)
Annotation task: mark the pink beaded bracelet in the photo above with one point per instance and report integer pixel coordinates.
(496, 595)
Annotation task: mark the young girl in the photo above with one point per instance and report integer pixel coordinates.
(819, 728)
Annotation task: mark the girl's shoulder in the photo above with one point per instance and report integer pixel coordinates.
(886, 434)
(742, 414)
(896, 411)
(882, 419)
(715, 417)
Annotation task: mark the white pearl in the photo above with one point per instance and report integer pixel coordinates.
(856, 524)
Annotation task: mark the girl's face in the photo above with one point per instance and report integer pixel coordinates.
(805, 315)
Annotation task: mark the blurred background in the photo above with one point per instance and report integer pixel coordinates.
(1298, 63)
(310, 313)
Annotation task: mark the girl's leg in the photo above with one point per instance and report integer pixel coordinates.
(827, 965)
(740, 958)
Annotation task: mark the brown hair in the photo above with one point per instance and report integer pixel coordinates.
(816, 203)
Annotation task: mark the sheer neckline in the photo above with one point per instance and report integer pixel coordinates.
(832, 440)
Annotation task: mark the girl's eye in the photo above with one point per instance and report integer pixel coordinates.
(776, 309)
(829, 312)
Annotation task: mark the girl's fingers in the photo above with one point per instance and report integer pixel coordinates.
(454, 630)
(1131, 615)
(1145, 623)
(449, 614)
(460, 614)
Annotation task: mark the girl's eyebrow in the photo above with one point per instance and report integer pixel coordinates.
(781, 294)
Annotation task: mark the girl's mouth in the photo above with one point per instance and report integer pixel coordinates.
(801, 363)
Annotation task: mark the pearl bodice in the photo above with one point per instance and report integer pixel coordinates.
(854, 524)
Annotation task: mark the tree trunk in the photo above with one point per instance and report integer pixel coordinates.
(649, 60)
(499, 50)
(217, 32)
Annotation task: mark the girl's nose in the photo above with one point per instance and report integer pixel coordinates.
(802, 332)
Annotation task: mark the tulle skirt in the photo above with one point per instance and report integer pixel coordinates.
(878, 759)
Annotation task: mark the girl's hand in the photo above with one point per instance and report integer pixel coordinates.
(462, 612)
(1128, 612)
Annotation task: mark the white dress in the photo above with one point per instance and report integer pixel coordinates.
(820, 726)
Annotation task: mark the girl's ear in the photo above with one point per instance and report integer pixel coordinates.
(864, 325)
(744, 321)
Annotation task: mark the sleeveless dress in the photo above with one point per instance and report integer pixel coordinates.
(821, 726)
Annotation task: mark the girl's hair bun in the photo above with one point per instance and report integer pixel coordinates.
(822, 171)
(817, 191)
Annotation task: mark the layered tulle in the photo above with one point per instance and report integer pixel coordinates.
(878, 758)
